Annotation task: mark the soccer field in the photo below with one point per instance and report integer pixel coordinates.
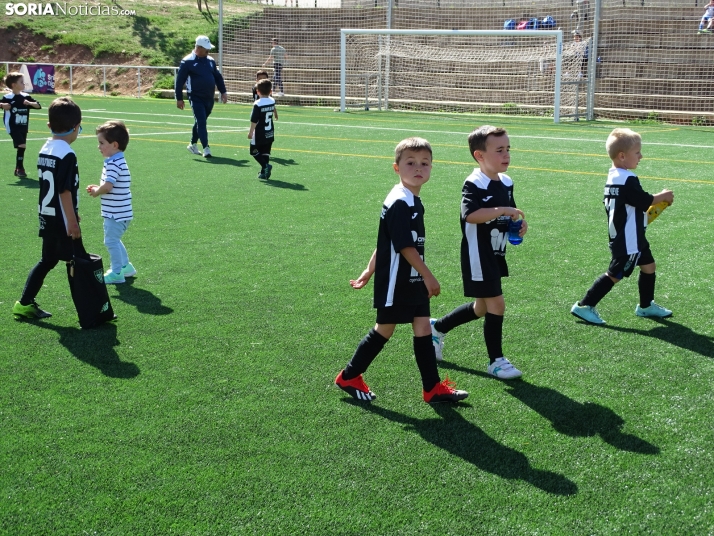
(209, 406)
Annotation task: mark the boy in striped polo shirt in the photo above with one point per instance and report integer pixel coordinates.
(113, 137)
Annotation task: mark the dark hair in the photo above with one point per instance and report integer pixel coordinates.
(263, 87)
(64, 114)
(263, 73)
(477, 139)
(11, 78)
(115, 131)
(275, 39)
(411, 144)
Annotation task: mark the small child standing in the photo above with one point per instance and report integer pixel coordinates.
(114, 189)
(403, 283)
(262, 130)
(626, 205)
(59, 219)
(707, 18)
(17, 106)
(487, 208)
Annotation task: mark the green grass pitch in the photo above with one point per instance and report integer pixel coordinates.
(209, 408)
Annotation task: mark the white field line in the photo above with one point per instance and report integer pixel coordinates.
(368, 127)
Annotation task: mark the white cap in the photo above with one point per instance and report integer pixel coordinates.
(203, 41)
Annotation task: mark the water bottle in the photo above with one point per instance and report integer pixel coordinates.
(514, 228)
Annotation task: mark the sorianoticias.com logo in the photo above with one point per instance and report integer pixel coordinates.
(22, 9)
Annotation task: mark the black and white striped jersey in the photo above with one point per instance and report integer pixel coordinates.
(262, 116)
(117, 203)
(483, 245)
(58, 171)
(17, 118)
(626, 205)
(401, 225)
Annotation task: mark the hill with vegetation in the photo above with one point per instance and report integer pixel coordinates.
(157, 33)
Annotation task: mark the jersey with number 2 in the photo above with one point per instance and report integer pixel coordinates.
(58, 171)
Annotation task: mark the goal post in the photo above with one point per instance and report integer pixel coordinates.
(480, 67)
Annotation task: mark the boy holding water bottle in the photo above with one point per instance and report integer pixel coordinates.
(488, 213)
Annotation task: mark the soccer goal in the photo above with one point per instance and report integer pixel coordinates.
(510, 71)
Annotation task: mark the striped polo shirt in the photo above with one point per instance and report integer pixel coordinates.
(117, 203)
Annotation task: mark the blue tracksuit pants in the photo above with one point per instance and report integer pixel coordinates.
(202, 108)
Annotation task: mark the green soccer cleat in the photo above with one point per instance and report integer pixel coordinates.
(267, 171)
(262, 176)
(110, 278)
(128, 270)
(29, 311)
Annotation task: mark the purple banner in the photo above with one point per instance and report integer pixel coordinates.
(42, 78)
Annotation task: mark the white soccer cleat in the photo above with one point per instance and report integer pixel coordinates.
(503, 369)
(191, 148)
(207, 152)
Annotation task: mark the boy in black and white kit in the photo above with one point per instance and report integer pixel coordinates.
(262, 130)
(626, 205)
(115, 191)
(59, 219)
(16, 117)
(403, 284)
(487, 208)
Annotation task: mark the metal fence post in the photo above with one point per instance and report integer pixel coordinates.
(70, 81)
(104, 81)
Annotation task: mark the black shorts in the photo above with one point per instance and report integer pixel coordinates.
(483, 289)
(624, 266)
(19, 137)
(58, 247)
(402, 314)
(261, 148)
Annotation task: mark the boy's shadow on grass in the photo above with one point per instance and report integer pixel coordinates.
(461, 438)
(144, 301)
(675, 334)
(96, 348)
(287, 185)
(579, 420)
(222, 160)
(283, 161)
(26, 182)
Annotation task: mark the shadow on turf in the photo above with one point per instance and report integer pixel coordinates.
(283, 161)
(222, 160)
(26, 182)
(577, 419)
(95, 347)
(144, 301)
(287, 185)
(675, 334)
(568, 416)
(461, 438)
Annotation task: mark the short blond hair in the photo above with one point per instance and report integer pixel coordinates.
(621, 140)
(411, 144)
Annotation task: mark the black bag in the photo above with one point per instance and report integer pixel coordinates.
(86, 282)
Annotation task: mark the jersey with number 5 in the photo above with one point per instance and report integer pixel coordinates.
(262, 116)
(58, 173)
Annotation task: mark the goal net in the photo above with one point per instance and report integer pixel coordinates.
(639, 59)
(458, 70)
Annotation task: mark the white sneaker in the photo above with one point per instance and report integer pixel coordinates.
(280, 94)
(503, 370)
(193, 149)
(653, 311)
(207, 152)
(437, 339)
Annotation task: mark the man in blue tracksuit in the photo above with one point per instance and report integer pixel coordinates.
(199, 72)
